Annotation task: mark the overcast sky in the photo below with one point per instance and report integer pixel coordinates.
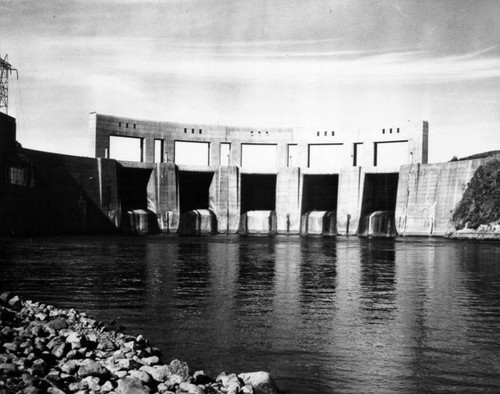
(314, 64)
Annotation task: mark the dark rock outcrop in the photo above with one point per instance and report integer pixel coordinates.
(480, 204)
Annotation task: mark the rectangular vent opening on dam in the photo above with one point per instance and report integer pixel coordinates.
(195, 153)
(126, 148)
(194, 190)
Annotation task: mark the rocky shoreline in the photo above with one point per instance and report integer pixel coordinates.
(48, 350)
(484, 232)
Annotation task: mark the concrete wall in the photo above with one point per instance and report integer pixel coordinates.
(7, 144)
(225, 190)
(428, 195)
(351, 183)
(288, 200)
(413, 134)
(225, 199)
(7, 134)
(80, 195)
(165, 175)
(51, 193)
(65, 195)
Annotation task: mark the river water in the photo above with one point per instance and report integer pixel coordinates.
(323, 315)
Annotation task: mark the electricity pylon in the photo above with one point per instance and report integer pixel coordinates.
(5, 71)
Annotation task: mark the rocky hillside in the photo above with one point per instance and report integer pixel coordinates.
(481, 155)
(480, 204)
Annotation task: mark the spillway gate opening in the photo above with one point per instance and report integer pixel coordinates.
(320, 193)
(132, 185)
(136, 218)
(196, 217)
(258, 192)
(194, 190)
(258, 204)
(378, 205)
(319, 205)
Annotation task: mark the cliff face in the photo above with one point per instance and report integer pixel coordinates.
(480, 204)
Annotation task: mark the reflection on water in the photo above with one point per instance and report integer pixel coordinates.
(321, 314)
(255, 281)
(318, 275)
(378, 284)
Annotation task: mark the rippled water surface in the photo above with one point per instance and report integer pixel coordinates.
(323, 315)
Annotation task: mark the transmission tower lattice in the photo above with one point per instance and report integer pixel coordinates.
(5, 71)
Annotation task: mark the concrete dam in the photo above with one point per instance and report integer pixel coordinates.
(149, 177)
(196, 179)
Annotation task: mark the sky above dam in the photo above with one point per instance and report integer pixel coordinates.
(314, 64)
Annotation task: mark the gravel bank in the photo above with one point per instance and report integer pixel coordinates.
(48, 350)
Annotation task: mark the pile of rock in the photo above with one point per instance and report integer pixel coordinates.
(44, 349)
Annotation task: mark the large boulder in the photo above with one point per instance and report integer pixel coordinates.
(90, 367)
(5, 297)
(261, 381)
(179, 372)
(143, 376)
(160, 373)
(190, 388)
(57, 324)
(57, 346)
(15, 303)
(75, 339)
(131, 386)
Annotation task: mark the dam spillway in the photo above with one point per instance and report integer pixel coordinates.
(316, 175)
(136, 218)
(263, 181)
(132, 187)
(258, 204)
(258, 192)
(196, 217)
(379, 205)
(319, 204)
(194, 190)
